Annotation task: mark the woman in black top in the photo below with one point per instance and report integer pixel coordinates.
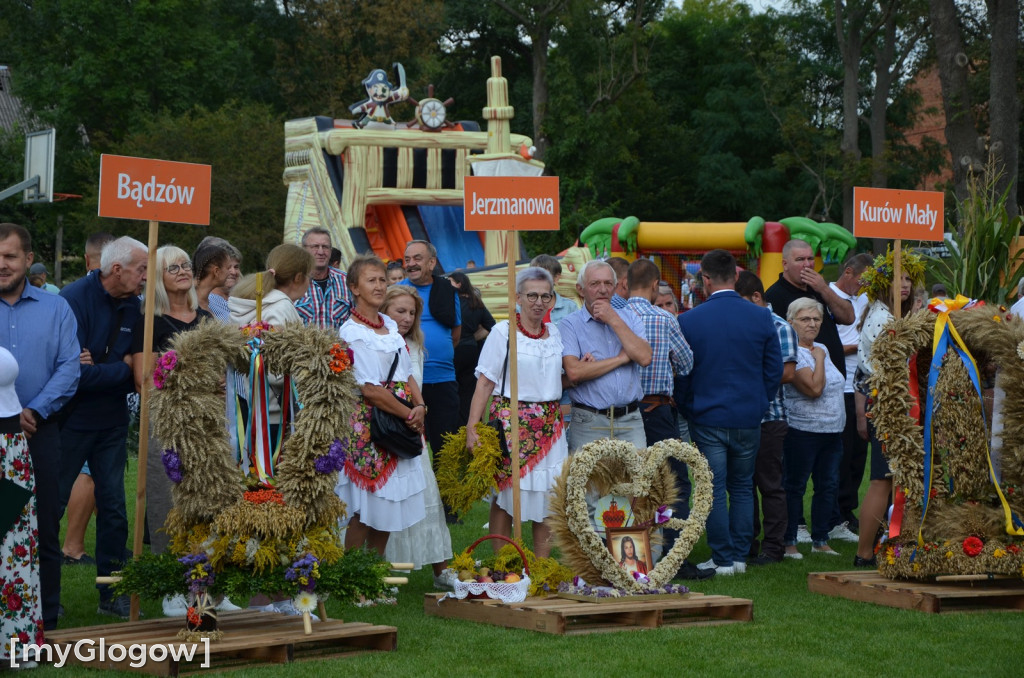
(476, 325)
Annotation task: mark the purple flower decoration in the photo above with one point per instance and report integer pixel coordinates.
(304, 572)
(172, 465)
(199, 574)
(334, 460)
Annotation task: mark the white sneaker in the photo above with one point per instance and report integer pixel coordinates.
(802, 535)
(447, 579)
(739, 567)
(708, 565)
(843, 533)
(726, 570)
(825, 550)
(225, 605)
(796, 555)
(175, 606)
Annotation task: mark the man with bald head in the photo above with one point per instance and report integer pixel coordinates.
(799, 279)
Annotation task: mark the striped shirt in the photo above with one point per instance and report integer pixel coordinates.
(788, 344)
(670, 354)
(328, 307)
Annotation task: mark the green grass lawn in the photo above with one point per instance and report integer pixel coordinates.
(794, 633)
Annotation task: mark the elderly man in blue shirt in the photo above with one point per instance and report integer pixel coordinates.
(603, 350)
(39, 329)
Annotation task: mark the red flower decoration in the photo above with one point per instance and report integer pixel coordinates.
(973, 546)
(264, 497)
(14, 602)
(20, 551)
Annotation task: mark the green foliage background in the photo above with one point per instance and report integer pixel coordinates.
(671, 112)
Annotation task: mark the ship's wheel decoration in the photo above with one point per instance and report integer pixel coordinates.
(432, 113)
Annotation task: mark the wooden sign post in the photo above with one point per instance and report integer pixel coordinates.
(899, 215)
(153, 191)
(512, 204)
(505, 195)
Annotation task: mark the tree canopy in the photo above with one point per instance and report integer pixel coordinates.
(702, 110)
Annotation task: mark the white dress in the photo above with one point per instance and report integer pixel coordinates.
(399, 502)
(539, 379)
(428, 541)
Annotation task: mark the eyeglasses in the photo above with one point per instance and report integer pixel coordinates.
(532, 297)
(174, 268)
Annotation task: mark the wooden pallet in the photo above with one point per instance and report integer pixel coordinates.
(552, 614)
(250, 638)
(936, 597)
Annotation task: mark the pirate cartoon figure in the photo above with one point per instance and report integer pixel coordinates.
(381, 94)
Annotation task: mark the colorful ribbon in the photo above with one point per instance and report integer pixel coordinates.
(946, 337)
(257, 439)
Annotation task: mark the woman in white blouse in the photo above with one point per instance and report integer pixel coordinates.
(382, 493)
(542, 444)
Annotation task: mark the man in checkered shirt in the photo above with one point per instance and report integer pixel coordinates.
(327, 302)
(670, 355)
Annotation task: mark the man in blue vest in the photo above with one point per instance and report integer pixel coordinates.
(442, 326)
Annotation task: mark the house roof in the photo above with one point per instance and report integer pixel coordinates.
(12, 113)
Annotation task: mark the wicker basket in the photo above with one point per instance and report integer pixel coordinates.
(513, 592)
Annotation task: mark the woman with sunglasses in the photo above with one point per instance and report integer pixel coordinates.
(542, 444)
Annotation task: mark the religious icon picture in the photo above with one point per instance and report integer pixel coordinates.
(631, 548)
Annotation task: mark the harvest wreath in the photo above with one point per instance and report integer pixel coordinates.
(958, 505)
(248, 538)
(465, 477)
(618, 467)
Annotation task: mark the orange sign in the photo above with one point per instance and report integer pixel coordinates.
(511, 203)
(889, 213)
(154, 190)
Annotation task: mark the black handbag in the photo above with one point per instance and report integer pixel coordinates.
(496, 424)
(389, 432)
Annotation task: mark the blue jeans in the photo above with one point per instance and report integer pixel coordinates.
(816, 456)
(731, 454)
(105, 451)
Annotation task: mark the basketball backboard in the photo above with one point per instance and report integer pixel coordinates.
(39, 152)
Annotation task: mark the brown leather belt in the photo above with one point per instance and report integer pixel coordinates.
(654, 401)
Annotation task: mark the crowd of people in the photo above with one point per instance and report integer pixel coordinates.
(769, 385)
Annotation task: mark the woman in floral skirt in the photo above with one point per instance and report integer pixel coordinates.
(542, 444)
(21, 613)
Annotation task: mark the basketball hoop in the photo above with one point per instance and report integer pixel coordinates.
(61, 197)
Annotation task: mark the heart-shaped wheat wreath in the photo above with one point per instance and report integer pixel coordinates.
(618, 467)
